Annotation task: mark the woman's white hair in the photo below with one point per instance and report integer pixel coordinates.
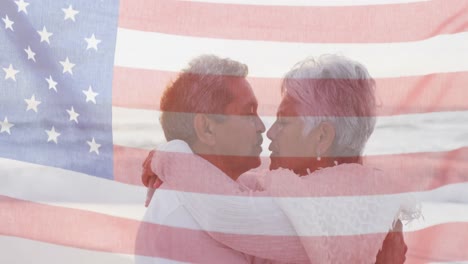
(336, 89)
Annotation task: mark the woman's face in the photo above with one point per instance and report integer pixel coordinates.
(290, 147)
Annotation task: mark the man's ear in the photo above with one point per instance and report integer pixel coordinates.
(204, 129)
(326, 137)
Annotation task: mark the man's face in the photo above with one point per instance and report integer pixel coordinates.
(239, 136)
(289, 147)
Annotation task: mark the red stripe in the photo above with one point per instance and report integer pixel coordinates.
(403, 173)
(94, 231)
(176, 242)
(142, 89)
(128, 164)
(67, 227)
(441, 243)
(348, 24)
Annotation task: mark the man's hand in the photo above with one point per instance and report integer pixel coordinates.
(149, 179)
(394, 247)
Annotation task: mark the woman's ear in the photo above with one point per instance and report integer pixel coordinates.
(204, 129)
(326, 137)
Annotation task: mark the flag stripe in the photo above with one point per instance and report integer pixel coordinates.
(46, 253)
(356, 24)
(142, 89)
(420, 250)
(395, 174)
(309, 2)
(128, 204)
(441, 243)
(102, 232)
(137, 49)
(110, 234)
(413, 172)
(423, 132)
(64, 186)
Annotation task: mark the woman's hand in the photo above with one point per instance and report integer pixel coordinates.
(394, 248)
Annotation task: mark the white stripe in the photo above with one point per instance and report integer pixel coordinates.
(54, 186)
(439, 213)
(308, 2)
(435, 210)
(44, 253)
(428, 132)
(150, 50)
(137, 128)
(20, 180)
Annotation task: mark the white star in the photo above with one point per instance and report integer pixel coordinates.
(5, 126)
(45, 35)
(8, 23)
(70, 13)
(10, 73)
(67, 66)
(92, 42)
(90, 95)
(32, 103)
(93, 146)
(73, 115)
(52, 83)
(52, 135)
(30, 53)
(22, 6)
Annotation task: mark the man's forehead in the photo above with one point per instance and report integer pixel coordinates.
(243, 96)
(242, 90)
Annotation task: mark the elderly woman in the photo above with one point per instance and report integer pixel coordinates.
(337, 211)
(326, 115)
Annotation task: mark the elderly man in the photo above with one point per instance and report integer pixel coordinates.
(211, 106)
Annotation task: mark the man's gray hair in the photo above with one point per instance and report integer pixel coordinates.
(336, 89)
(202, 87)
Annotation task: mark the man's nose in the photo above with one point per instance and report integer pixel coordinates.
(271, 132)
(260, 126)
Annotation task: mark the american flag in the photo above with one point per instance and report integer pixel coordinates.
(80, 87)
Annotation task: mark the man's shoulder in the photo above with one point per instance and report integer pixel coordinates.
(166, 209)
(176, 230)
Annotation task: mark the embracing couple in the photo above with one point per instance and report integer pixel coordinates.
(317, 204)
